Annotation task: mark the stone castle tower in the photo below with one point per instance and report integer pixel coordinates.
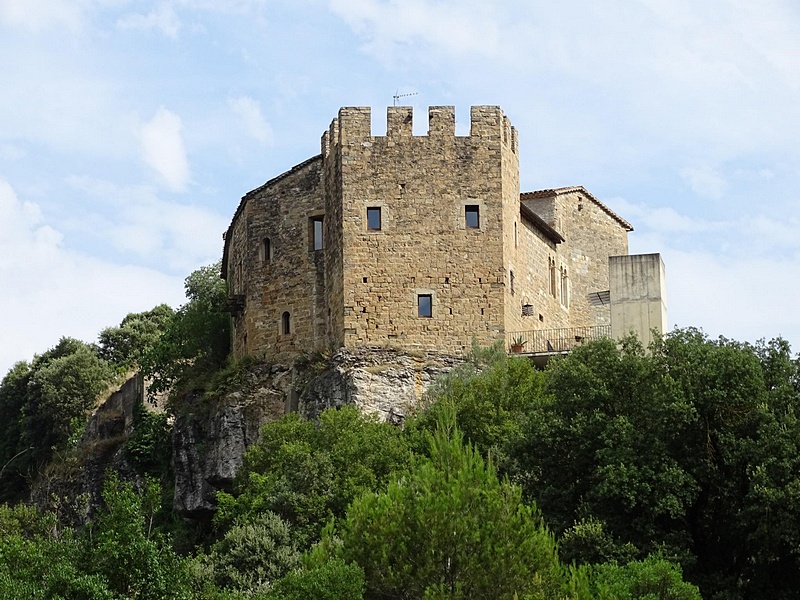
(415, 242)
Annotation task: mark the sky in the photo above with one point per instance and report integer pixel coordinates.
(129, 130)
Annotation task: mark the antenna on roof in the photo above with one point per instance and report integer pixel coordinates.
(397, 96)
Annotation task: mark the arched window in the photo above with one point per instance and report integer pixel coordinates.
(286, 323)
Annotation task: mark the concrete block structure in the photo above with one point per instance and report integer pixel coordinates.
(417, 242)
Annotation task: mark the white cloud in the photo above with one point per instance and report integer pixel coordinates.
(11, 152)
(163, 149)
(665, 220)
(161, 18)
(254, 124)
(744, 299)
(705, 181)
(38, 15)
(50, 291)
(395, 26)
(179, 236)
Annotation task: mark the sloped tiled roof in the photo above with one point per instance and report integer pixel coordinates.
(576, 188)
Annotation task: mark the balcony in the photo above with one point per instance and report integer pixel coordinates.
(553, 341)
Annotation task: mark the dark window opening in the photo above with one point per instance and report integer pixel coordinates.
(286, 323)
(267, 250)
(374, 218)
(425, 305)
(472, 216)
(512, 281)
(364, 280)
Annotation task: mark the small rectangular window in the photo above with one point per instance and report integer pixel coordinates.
(374, 218)
(472, 216)
(425, 305)
(316, 233)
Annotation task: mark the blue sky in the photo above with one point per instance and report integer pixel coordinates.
(130, 129)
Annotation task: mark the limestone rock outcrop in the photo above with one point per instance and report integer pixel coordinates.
(211, 435)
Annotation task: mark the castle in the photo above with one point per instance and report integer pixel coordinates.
(425, 243)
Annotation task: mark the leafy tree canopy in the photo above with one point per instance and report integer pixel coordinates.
(197, 336)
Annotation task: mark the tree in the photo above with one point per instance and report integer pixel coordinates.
(448, 529)
(136, 335)
(308, 473)
(197, 336)
(490, 396)
(128, 553)
(331, 580)
(651, 579)
(41, 404)
(13, 395)
(251, 556)
(40, 561)
(689, 449)
(63, 388)
(606, 445)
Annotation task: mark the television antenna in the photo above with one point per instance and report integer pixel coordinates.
(397, 96)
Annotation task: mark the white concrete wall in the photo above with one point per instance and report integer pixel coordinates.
(638, 295)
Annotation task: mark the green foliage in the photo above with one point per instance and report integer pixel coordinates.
(489, 395)
(330, 580)
(125, 345)
(38, 560)
(650, 579)
(308, 473)
(149, 448)
(128, 553)
(448, 529)
(690, 449)
(197, 336)
(589, 542)
(61, 389)
(252, 556)
(13, 394)
(607, 446)
(42, 404)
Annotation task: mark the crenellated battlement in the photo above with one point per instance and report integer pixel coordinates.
(353, 126)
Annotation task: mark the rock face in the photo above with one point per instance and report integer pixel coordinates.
(383, 382)
(73, 487)
(211, 435)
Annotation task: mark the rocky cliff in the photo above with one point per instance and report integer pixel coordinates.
(212, 434)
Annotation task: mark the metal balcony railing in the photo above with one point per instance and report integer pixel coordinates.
(546, 341)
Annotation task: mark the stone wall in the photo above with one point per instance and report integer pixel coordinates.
(591, 234)
(422, 186)
(282, 275)
(361, 283)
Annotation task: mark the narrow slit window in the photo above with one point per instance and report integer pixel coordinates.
(425, 305)
(267, 250)
(374, 218)
(286, 323)
(472, 216)
(511, 280)
(316, 232)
